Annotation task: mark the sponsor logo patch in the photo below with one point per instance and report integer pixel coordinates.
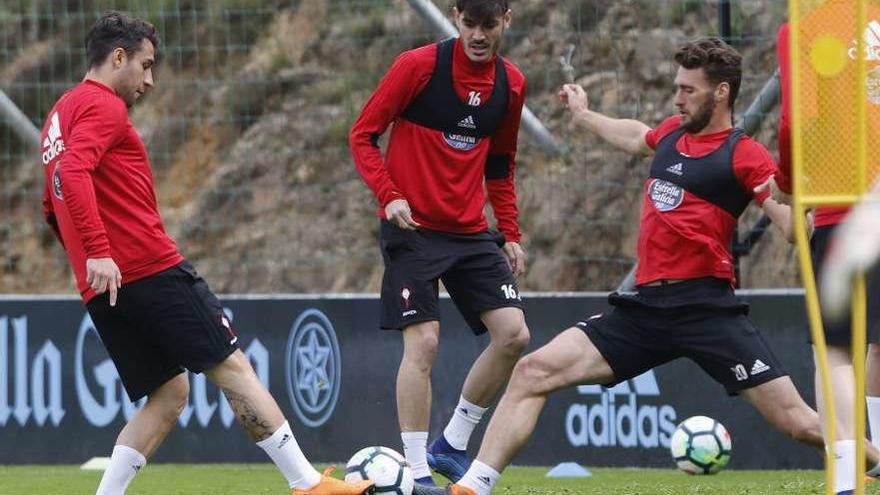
(460, 142)
(665, 195)
(56, 182)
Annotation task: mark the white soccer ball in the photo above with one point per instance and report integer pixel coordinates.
(385, 467)
(700, 445)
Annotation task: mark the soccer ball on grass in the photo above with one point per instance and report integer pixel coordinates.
(385, 467)
(700, 445)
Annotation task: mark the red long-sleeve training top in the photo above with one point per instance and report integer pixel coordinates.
(444, 186)
(99, 195)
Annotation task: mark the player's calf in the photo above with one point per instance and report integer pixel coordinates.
(512, 339)
(803, 425)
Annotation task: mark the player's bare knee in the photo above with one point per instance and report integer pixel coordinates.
(421, 348)
(530, 376)
(179, 403)
(515, 341)
(523, 337)
(238, 364)
(231, 372)
(171, 397)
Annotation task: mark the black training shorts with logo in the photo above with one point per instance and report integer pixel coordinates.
(472, 267)
(839, 332)
(699, 319)
(161, 325)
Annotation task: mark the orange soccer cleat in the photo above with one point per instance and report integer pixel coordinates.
(332, 486)
(456, 489)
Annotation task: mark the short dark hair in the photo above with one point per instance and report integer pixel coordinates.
(118, 30)
(720, 61)
(480, 10)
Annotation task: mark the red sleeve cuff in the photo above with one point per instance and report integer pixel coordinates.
(98, 248)
(393, 195)
(761, 197)
(784, 183)
(512, 237)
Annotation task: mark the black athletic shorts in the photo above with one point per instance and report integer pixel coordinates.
(472, 267)
(699, 319)
(839, 332)
(161, 325)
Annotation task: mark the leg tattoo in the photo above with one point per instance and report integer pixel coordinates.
(248, 417)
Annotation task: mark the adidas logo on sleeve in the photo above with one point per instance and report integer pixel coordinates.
(53, 145)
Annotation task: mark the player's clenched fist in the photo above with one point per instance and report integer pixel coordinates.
(574, 96)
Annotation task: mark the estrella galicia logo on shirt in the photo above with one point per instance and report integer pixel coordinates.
(460, 142)
(314, 368)
(56, 182)
(665, 195)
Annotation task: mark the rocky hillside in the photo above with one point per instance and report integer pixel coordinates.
(247, 129)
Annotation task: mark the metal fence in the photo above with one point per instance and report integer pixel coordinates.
(247, 132)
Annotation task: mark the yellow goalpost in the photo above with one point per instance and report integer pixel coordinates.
(835, 68)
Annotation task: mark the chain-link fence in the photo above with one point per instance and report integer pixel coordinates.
(247, 131)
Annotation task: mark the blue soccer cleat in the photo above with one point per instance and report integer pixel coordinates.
(427, 490)
(446, 460)
(426, 481)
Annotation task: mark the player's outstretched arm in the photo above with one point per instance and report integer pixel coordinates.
(780, 214)
(775, 191)
(625, 134)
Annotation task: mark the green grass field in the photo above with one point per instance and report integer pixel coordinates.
(253, 479)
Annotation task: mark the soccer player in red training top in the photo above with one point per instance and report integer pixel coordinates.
(456, 107)
(700, 181)
(837, 331)
(154, 313)
(855, 248)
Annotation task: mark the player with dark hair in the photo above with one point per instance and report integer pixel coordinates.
(838, 334)
(456, 107)
(154, 313)
(701, 179)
